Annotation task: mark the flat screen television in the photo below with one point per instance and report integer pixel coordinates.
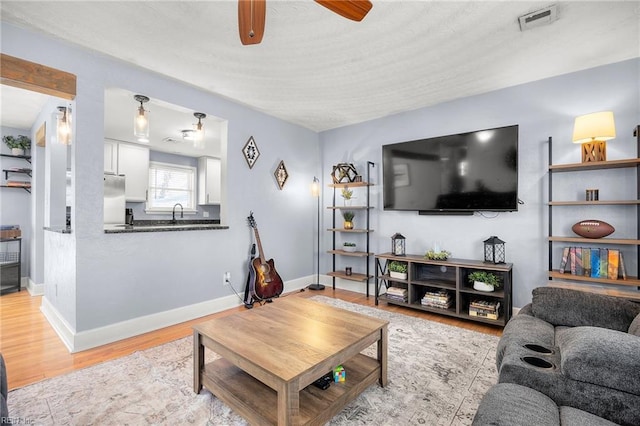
(453, 174)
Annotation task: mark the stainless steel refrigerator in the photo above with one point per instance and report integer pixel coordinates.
(114, 200)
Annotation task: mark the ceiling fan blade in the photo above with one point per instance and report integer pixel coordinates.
(251, 17)
(355, 10)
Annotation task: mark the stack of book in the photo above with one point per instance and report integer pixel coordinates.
(397, 293)
(19, 184)
(437, 298)
(10, 231)
(593, 262)
(489, 309)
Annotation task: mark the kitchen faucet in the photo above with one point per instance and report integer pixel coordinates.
(173, 214)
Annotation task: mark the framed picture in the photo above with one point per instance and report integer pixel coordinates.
(281, 175)
(251, 152)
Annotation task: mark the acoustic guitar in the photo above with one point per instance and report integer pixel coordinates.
(264, 279)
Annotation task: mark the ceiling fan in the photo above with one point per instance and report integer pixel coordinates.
(251, 15)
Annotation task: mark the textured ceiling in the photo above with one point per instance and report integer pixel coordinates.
(322, 71)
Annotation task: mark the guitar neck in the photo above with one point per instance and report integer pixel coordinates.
(262, 259)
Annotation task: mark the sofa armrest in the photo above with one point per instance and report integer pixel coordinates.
(573, 308)
(601, 357)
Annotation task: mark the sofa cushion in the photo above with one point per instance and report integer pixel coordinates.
(508, 404)
(561, 306)
(600, 356)
(570, 416)
(634, 328)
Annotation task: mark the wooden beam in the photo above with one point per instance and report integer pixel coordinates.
(27, 75)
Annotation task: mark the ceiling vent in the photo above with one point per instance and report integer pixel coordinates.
(538, 18)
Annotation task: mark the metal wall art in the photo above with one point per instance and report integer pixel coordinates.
(251, 152)
(281, 174)
(344, 173)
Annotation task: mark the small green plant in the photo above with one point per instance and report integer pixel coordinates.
(347, 193)
(441, 255)
(397, 266)
(485, 277)
(22, 141)
(348, 215)
(349, 244)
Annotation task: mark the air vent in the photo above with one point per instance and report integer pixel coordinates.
(538, 18)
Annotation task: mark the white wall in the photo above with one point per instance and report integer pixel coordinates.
(542, 109)
(119, 277)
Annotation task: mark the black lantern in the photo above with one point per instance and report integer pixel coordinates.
(397, 245)
(493, 250)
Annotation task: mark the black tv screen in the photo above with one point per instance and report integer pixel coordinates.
(461, 173)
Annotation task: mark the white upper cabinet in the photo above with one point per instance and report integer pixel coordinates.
(208, 180)
(132, 161)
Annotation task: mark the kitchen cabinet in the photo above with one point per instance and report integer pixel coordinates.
(208, 180)
(132, 161)
(111, 157)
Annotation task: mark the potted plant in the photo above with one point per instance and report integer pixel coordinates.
(484, 281)
(398, 269)
(348, 219)
(347, 194)
(349, 246)
(17, 144)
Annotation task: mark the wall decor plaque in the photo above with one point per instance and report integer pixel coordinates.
(281, 174)
(251, 152)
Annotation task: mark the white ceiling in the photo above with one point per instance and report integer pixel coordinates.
(322, 71)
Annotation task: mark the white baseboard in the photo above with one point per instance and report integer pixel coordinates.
(33, 288)
(76, 342)
(59, 324)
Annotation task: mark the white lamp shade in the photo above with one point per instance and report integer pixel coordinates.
(598, 126)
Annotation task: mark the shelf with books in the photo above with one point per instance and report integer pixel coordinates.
(443, 287)
(619, 254)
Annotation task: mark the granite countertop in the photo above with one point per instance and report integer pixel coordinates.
(164, 226)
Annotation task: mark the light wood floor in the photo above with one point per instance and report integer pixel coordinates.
(33, 351)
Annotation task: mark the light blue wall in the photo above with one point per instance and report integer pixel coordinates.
(542, 109)
(116, 277)
(112, 278)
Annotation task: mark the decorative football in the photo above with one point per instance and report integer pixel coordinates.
(592, 228)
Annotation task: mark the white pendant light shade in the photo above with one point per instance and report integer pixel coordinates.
(63, 125)
(198, 130)
(141, 120)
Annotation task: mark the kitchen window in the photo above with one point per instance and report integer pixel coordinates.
(170, 184)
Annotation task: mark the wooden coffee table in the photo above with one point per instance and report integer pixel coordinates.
(272, 354)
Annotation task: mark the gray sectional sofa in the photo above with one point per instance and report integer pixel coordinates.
(4, 411)
(580, 349)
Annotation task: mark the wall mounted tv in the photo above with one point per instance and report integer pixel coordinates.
(454, 174)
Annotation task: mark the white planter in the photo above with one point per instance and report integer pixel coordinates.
(398, 275)
(17, 151)
(349, 249)
(480, 286)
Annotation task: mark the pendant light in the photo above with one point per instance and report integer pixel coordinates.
(63, 125)
(198, 128)
(141, 120)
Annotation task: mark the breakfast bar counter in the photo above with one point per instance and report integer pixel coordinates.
(164, 226)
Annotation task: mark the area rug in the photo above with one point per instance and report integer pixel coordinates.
(437, 376)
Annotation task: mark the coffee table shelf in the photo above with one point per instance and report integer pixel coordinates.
(256, 401)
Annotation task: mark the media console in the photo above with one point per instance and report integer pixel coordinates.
(448, 277)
